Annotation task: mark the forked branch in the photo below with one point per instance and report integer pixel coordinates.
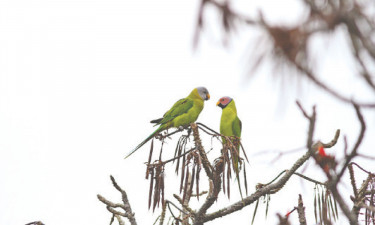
(125, 205)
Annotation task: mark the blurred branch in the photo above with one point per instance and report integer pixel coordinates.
(289, 44)
(296, 173)
(361, 168)
(366, 156)
(311, 120)
(353, 153)
(228, 15)
(313, 77)
(309, 179)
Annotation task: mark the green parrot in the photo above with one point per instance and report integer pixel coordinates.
(182, 113)
(230, 125)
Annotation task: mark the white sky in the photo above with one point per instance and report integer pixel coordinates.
(80, 80)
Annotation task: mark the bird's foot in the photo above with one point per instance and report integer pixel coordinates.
(189, 132)
(180, 128)
(159, 136)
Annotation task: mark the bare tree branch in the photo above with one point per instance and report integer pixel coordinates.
(186, 207)
(125, 205)
(198, 143)
(269, 189)
(273, 188)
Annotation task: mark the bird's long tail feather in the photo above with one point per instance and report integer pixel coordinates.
(144, 142)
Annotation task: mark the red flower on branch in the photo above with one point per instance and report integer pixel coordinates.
(325, 161)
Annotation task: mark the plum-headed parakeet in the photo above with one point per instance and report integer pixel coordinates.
(182, 113)
(230, 125)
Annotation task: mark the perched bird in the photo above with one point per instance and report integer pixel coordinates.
(182, 113)
(230, 125)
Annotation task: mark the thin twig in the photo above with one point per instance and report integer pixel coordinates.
(361, 168)
(125, 205)
(186, 207)
(357, 144)
(170, 160)
(309, 179)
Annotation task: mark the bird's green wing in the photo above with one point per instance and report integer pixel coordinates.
(180, 107)
(237, 127)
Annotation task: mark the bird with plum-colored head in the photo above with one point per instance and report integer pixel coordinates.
(230, 126)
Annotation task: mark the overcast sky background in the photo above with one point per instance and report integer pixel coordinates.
(80, 80)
